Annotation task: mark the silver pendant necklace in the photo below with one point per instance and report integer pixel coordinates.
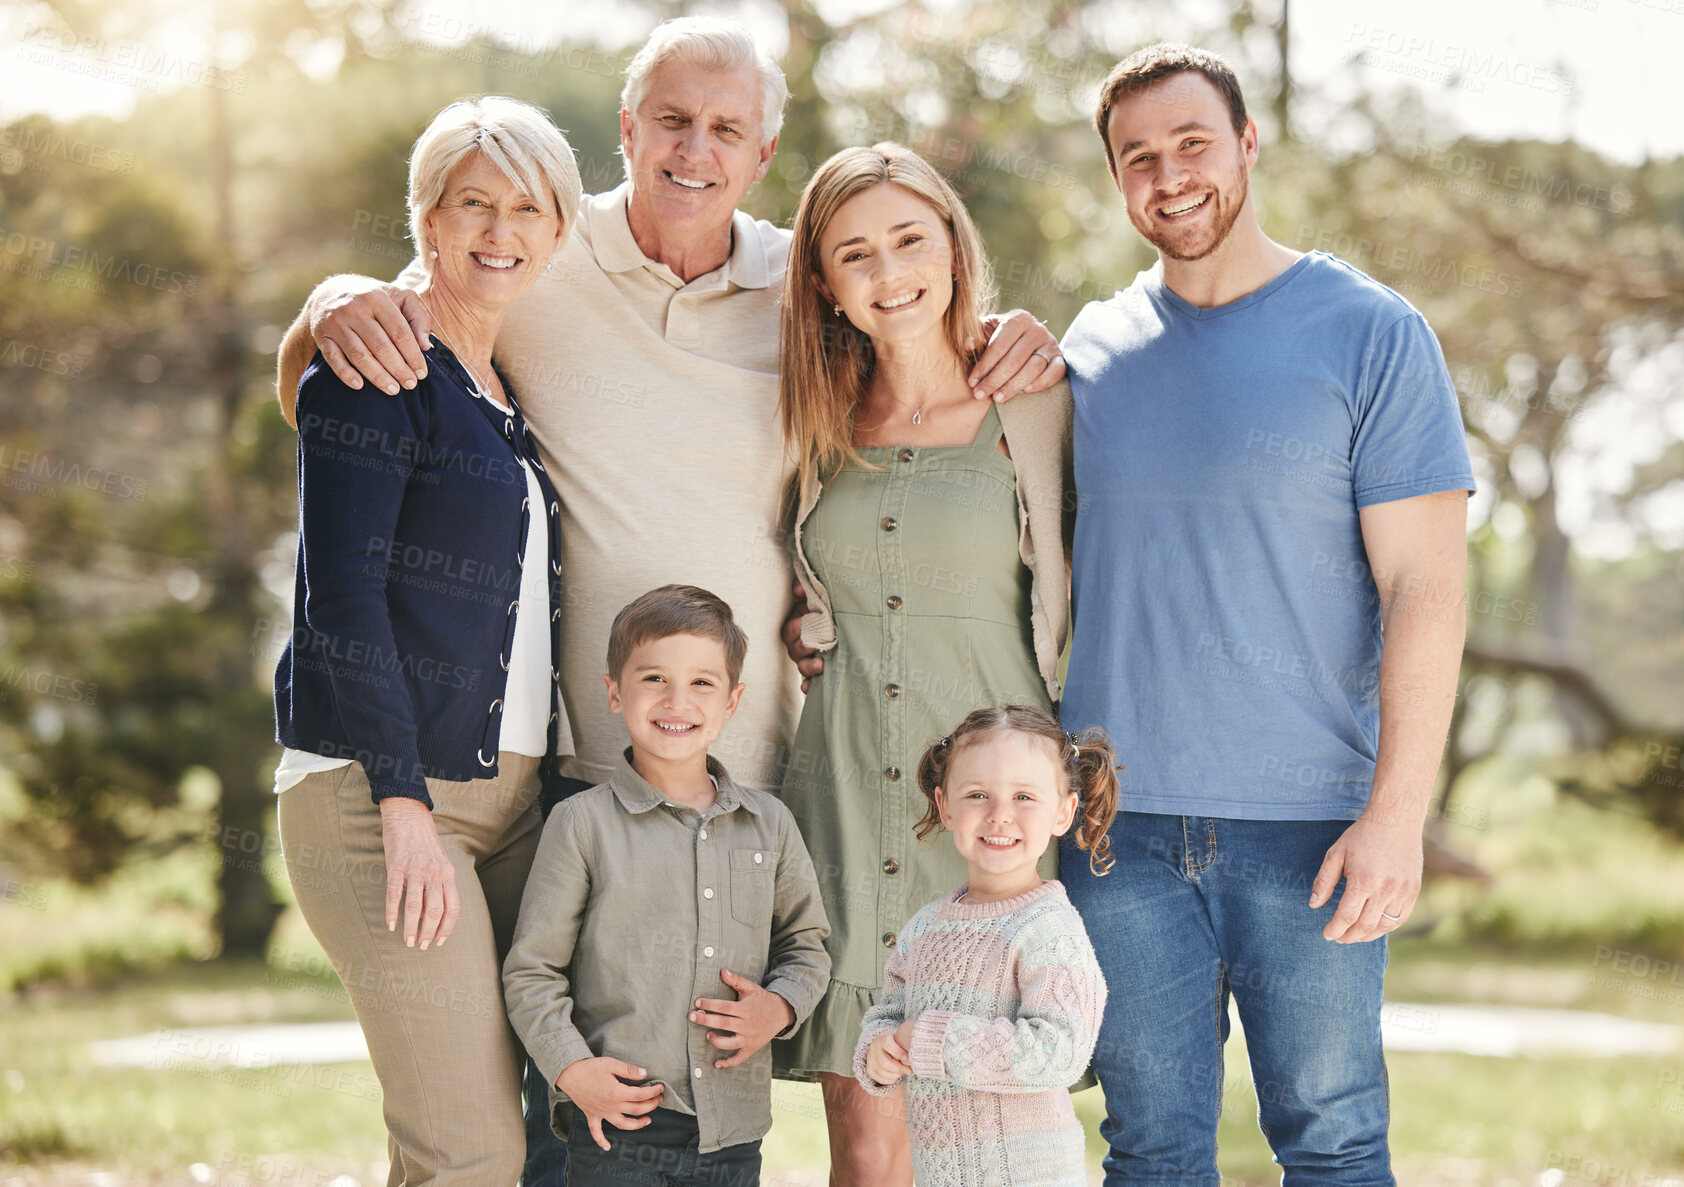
(481, 391)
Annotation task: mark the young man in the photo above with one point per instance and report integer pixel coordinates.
(1271, 468)
(671, 924)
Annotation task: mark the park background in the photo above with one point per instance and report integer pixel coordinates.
(174, 177)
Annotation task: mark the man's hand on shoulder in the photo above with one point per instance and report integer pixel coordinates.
(1022, 356)
(372, 330)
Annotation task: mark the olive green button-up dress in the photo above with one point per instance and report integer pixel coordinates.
(932, 610)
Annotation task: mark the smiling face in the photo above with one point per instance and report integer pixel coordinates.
(492, 237)
(887, 259)
(1182, 169)
(676, 695)
(693, 147)
(1004, 800)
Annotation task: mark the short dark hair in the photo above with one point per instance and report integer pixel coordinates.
(1155, 63)
(676, 610)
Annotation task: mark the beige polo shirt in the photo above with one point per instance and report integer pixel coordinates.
(654, 404)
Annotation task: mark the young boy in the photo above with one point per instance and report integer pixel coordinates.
(671, 925)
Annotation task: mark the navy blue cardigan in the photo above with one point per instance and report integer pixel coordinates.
(412, 520)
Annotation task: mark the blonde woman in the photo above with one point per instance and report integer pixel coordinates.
(929, 535)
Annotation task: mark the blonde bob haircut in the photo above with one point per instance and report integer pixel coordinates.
(825, 364)
(708, 43)
(516, 137)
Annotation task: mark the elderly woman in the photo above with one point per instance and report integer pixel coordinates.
(417, 697)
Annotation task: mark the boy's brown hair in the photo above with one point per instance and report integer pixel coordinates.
(1155, 63)
(676, 610)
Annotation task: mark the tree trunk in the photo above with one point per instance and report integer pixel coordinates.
(247, 909)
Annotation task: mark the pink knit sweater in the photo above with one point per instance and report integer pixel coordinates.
(1008, 998)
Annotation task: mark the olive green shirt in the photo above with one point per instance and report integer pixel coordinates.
(634, 905)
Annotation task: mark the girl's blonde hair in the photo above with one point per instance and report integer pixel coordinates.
(825, 363)
(1090, 771)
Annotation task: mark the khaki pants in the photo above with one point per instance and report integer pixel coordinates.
(449, 1065)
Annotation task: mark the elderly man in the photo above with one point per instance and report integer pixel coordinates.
(646, 364)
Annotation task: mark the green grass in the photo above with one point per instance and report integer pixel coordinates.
(1457, 1119)
(1584, 905)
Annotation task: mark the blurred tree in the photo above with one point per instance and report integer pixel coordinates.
(137, 326)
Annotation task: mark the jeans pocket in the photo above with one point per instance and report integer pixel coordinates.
(752, 886)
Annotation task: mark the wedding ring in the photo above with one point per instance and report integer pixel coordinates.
(1389, 915)
(1043, 353)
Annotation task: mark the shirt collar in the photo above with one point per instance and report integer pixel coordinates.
(637, 795)
(617, 250)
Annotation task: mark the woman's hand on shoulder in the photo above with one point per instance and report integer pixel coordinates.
(417, 864)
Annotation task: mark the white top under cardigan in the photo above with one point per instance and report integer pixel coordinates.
(526, 699)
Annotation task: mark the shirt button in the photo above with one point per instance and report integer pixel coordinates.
(894, 602)
(891, 866)
(707, 892)
(906, 455)
(892, 774)
(704, 834)
(891, 691)
(758, 858)
(889, 939)
(708, 951)
(697, 1072)
(889, 523)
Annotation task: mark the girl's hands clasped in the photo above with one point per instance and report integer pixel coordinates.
(416, 862)
(889, 1057)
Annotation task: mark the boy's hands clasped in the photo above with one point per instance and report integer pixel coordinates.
(744, 1025)
(598, 1086)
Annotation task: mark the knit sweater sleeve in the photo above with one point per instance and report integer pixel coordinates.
(885, 1016)
(1048, 1042)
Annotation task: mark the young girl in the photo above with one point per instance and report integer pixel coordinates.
(992, 999)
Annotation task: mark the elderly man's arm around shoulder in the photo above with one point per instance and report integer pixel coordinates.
(1417, 551)
(1022, 355)
(365, 328)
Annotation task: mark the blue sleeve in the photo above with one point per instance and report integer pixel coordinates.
(356, 452)
(1409, 439)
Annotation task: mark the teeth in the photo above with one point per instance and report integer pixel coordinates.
(496, 261)
(689, 185)
(1183, 209)
(1001, 840)
(674, 729)
(897, 302)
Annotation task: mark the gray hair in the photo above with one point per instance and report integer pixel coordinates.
(516, 137)
(712, 43)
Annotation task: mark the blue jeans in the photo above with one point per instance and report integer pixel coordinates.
(663, 1153)
(1199, 908)
(546, 1154)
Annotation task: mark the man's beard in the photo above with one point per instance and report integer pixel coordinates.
(1226, 215)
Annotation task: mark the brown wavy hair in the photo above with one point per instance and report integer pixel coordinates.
(1089, 764)
(825, 363)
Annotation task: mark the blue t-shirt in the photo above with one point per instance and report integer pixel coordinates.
(1227, 627)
